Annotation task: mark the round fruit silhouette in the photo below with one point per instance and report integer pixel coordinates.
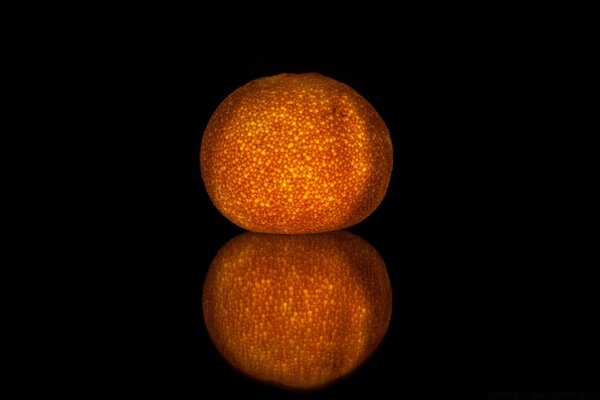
(296, 153)
(299, 311)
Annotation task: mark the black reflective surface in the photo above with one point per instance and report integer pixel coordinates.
(489, 292)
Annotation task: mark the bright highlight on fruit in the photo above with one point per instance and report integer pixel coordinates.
(296, 153)
(299, 311)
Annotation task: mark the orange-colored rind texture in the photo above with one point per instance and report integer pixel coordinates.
(296, 153)
(298, 311)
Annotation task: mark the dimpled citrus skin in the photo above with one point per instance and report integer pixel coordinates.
(299, 311)
(296, 153)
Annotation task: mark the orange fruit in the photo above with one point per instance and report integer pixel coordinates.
(296, 153)
(298, 311)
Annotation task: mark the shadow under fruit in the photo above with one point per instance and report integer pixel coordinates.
(299, 311)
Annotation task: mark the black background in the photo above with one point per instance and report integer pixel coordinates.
(488, 293)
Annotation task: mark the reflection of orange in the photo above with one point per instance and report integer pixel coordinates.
(296, 153)
(297, 310)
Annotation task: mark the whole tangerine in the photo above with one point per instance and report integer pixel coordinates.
(299, 311)
(296, 153)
